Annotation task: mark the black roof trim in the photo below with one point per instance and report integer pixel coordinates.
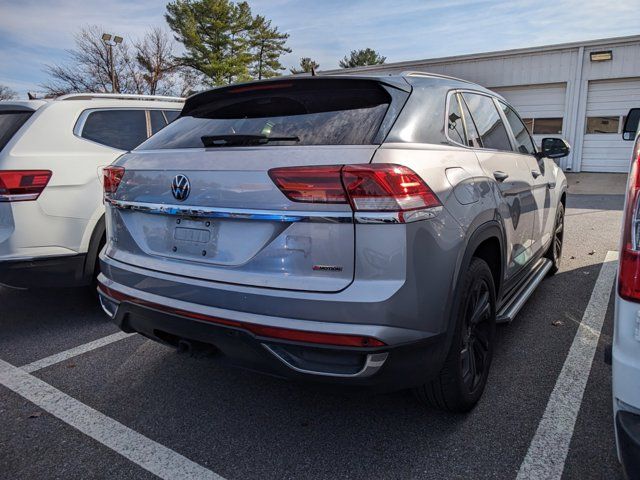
(8, 107)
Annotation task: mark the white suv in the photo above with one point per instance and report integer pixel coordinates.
(626, 335)
(51, 158)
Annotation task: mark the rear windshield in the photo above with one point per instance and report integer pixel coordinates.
(10, 123)
(297, 115)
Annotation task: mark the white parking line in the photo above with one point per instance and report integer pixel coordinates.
(548, 449)
(79, 350)
(150, 455)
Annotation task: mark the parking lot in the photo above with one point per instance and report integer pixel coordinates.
(123, 407)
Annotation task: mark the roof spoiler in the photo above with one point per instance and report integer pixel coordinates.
(199, 99)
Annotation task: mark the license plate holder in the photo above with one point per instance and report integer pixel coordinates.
(194, 238)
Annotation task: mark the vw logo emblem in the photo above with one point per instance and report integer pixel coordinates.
(180, 187)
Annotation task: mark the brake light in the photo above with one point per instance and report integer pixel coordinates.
(629, 271)
(22, 185)
(111, 178)
(368, 188)
(386, 187)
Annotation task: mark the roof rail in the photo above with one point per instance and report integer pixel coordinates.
(118, 96)
(410, 73)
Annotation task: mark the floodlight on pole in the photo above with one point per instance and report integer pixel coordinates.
(111, 41)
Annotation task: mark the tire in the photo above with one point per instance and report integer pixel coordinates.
(554, 252)
(460, 383)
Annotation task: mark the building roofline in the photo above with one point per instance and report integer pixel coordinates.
(496, 53)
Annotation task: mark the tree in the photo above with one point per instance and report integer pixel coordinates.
(306, 66)
(361, 58)
(154, 58)
(6, 93)
(268, 44)
(215, 34)
(89, 67)
(224, 41)
(144, 66)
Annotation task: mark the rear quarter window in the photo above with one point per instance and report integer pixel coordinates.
(10, 123)
(487, 120)
(122, 129)
(312, 115)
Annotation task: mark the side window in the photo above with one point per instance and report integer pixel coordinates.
(524, 144)
(455, 125)
(158, 121)
(171, 115)
(473, 138)
(488, 122)
(123, 129)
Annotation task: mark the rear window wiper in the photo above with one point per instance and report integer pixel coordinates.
(235, 140)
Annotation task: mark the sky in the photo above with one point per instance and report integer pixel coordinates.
(35, 33)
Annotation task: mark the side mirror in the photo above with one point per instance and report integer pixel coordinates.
(631, 124)
(555, 148)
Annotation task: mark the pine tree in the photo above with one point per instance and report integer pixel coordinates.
(269, 45)
(361, 58)
(216, 36)
(306, 66)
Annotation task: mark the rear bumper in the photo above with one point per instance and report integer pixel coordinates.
(60, 271)
(390, 367)
(628, 437)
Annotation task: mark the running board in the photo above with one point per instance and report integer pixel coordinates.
(516, 301)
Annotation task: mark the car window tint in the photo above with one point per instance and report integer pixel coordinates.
(157, 121)
(10, 123)
(123, 129)
(171, 115)
(524, 144)
(455, 125)
(473, 138)
(488, 122)
(311, 113)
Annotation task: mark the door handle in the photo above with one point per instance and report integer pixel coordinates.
(500, 176)
(535, 173)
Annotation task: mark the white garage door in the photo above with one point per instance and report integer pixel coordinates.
(603, 149)
(540, 106)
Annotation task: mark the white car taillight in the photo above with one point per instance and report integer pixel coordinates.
(629, 270)
(22, 185)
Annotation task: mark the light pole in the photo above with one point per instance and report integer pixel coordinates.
(111, 41)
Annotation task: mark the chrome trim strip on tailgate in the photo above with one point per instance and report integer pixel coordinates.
(233, 213)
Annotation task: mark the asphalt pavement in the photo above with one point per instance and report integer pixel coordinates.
(239, 424)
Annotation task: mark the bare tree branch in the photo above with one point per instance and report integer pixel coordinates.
(6, 93)
(142, 66)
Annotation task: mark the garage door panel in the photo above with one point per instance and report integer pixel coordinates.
(536, 101)
(607, 152)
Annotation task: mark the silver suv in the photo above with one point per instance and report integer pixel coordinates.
(356, 230)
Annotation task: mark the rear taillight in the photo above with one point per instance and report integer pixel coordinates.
(111, 178)
(310, 184)
(629, 271)
(378, 187)
(22, 185)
